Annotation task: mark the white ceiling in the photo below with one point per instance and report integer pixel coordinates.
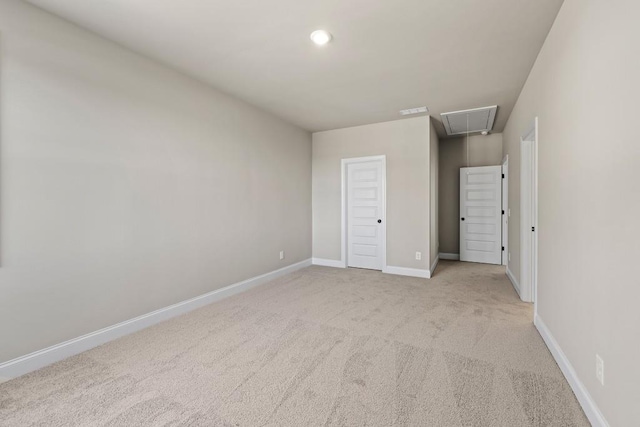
(386, 55)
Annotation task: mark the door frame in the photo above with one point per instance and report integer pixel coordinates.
(505, 209)
(529, 214)
(343, 208)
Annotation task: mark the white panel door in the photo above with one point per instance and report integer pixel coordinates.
(365, 214)
(481, 214)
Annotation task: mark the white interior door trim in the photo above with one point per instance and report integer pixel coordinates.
(505, 211)
(343, 207)
(529, 215)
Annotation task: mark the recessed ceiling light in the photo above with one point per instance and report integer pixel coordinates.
(417, 110)
(321, 37)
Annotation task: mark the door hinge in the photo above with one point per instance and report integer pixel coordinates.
(502, 176)
(503, 212)
(503, 248)
(533, 229)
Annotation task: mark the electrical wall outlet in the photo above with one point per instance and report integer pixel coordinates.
(281, 254)
(418, 256)
(509, 256)
(600, 369)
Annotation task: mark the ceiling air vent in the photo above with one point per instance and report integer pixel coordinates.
(417, 110)
(473, 120)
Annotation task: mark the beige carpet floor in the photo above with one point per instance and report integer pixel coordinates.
(322, 346)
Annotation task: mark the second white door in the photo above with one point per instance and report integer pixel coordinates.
(365, 214)
(481, 214)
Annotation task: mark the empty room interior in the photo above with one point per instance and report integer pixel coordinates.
(336, 213)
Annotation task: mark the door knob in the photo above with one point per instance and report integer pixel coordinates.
(379, 221)
(463, 219)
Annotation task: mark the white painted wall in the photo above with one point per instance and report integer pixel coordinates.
(406, 145)
(585, 88)
(126, 186)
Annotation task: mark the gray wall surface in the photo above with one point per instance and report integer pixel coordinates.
(483, 151)
(406, 145)
(434, 172)
(584, 88)
(127, 187)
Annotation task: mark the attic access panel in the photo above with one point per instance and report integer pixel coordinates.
(480, 119)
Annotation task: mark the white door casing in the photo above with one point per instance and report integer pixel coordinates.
(481, 214)
(365, 212)
(505, 211)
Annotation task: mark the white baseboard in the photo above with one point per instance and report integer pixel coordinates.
(454, 257)
(589, 406)
(433, 267)
(404, 271)
(328, 262)
(41, 358)
(514, 282)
